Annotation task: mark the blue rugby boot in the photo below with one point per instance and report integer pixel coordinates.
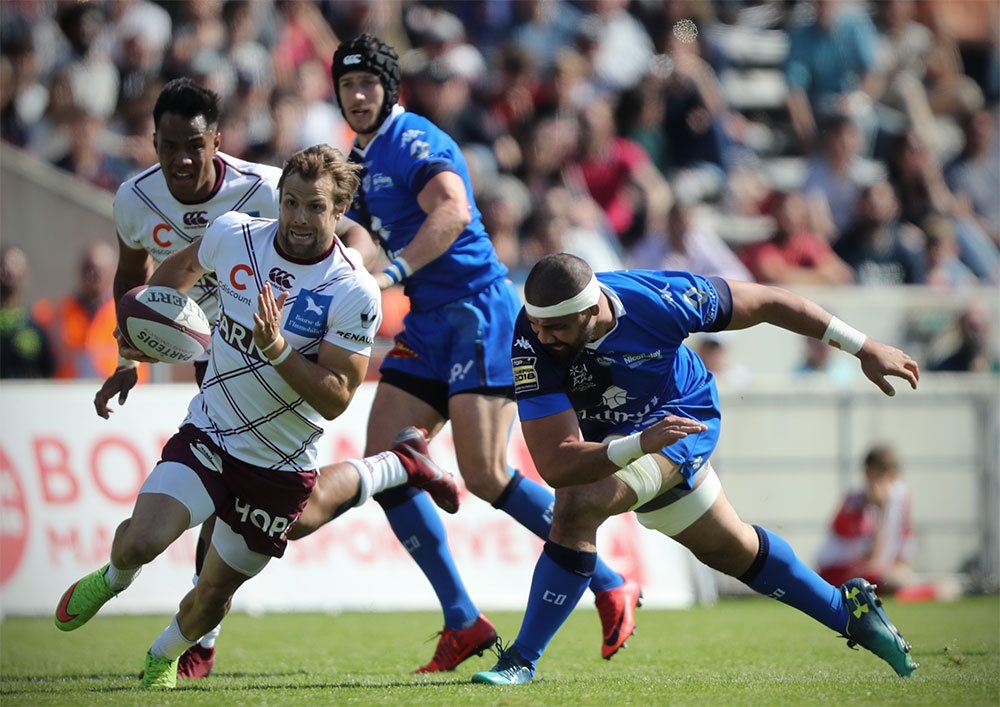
(868, 626)
(511, 669)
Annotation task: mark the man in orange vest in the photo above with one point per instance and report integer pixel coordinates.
(81, 324)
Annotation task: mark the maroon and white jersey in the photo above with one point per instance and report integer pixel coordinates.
(149, 217)
(244, 405)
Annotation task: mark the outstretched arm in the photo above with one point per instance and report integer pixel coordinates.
(758, 304)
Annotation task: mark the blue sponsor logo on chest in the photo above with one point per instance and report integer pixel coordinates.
(309, 314)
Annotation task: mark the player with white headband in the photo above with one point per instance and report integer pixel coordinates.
(619, 415)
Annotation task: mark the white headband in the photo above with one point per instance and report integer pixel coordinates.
(584, 299)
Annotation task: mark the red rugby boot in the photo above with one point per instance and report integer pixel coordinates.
(196, 662)
(617, 609)
(455, 646)
(410, 446)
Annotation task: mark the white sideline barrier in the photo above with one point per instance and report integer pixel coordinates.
(68, 478)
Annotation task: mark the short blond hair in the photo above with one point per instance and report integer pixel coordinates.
(320, 160)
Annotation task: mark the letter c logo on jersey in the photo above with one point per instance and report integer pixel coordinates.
(196, 218)
(239, 269)
(281, 278)
(156, 235)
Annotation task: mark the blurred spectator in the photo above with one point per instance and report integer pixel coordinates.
(714, 353)
(513, 96)
(49, 138)
(880, 248)
(23, 97)
(835, 177)
(24, 347)
(303, 35)
(505, 204)
(92, 76)
(544, 29)
(945, 271)
(695, 118)
(794, 254)
(975, 351)
(619, 175)
(562, 224)
(143, 30)
(975, 173)
(918, 81)
(831, 67)
(921, 188)
(820, 359)
(86, 157)
(620, 46)
(81, 324)
(690, 246)
(440, 35)
(871, 535)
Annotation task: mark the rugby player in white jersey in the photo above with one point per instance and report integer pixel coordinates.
(167, 207)
(247, 449)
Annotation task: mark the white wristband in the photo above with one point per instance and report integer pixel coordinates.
(625, 450)
(280, 358)
(398, 270)
(843, 336)
(126, 362)
(271, 345)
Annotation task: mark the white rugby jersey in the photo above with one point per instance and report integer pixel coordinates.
(244, 404)
(149, 217)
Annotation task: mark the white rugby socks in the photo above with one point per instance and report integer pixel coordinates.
(120, 579)
(378, 473)
(171, 642)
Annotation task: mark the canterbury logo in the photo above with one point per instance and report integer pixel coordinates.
(196, 218)
(281, 278)
(352, 59)
(859, 608)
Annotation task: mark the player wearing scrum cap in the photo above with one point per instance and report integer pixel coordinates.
(619, 415)
(450, 361)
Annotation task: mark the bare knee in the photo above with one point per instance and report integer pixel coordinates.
(731, 554)
(485, 483)
(579, 510)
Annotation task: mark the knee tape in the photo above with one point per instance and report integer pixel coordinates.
(642, 476)
(677, 516)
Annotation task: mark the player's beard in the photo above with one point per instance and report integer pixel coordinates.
(567, 352)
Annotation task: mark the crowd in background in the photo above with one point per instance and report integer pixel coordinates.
(827, 142)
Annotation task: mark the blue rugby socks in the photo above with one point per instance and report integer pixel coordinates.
(560, 579)
(530, 504)
(417, 525)
(779, 574)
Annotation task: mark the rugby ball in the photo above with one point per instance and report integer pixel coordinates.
(163, 323)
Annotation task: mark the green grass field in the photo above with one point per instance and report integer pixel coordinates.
(739, 652)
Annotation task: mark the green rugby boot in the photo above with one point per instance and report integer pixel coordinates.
(83, 599)
(511, 669)
(868, 626)
(159, 673)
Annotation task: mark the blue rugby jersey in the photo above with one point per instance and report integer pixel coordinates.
(405, 154)
(638, 372)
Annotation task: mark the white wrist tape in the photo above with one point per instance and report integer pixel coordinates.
(280, 358)
(843, 336)
(624, 450)
(126, 362)
(583, 300)
(398, 269)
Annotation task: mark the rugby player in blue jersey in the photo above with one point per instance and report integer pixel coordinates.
(451, 360)
(619, 415)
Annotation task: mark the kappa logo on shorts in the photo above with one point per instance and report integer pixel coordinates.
(309, 314)
(525, 375)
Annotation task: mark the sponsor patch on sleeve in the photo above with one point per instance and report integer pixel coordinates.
(525, 375)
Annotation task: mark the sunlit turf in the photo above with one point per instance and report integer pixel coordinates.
(738, 652)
